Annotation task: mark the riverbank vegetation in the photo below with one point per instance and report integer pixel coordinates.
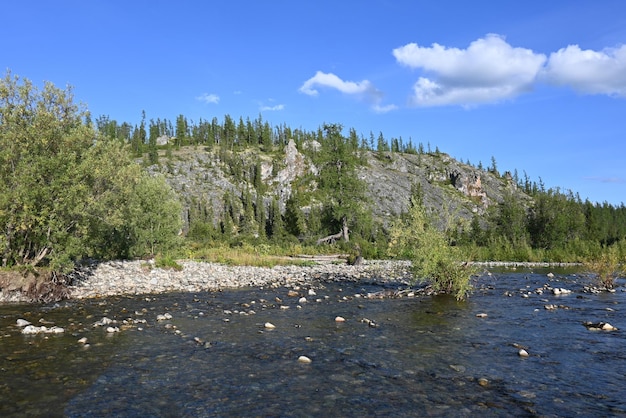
(74, 188)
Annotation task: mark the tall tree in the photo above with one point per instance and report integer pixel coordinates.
(343, 192)
(65, 191)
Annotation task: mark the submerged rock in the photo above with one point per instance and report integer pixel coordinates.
(599, 326)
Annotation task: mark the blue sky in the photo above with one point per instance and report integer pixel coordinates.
(539, 85)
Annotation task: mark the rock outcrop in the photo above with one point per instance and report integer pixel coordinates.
(450, 188)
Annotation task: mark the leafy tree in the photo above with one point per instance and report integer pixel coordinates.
(67, 192)
(415, 237)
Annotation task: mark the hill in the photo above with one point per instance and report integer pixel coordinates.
(206, 179)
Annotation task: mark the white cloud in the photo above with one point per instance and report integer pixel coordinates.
(322, 79)
(489, 70)
(363, 89)
(384, 109)
(272, 108)
(209, 98)
(588, 71)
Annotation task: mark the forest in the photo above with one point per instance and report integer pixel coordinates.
(72, 188)
(556, 226)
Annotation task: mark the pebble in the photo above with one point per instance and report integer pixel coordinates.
(304, 359)
(131, 277)
(22, 322)
(483, 382)
(32, 330)
(481, 315)
(523, 353)
(340, 319)
(269, 325)
(302, 300)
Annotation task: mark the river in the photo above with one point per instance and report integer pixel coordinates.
(409, 356)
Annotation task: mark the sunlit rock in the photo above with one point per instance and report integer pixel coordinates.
(164, 317)
(22, 322)
(103, 321)
(269, 325)
(522, 353)
(31, 329)
(304, 360)
(599, 326)
(340, 319)
(302, 300)
(481, 315)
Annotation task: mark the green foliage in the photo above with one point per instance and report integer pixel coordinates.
(432, 257)
(67, 192)
(608, 265)
(167, 262)
(342, 192)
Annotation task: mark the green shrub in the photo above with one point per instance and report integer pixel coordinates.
(607, 266)
(432, 257)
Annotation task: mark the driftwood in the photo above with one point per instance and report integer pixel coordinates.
(344, 233)
(330, 239)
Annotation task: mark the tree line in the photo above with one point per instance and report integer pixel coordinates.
(553, 224)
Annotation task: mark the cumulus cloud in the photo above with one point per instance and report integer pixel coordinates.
(321, 79)
(209, 98)
(489, 70)
(588, 71)
(363, 89)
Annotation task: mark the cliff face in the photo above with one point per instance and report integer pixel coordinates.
(454, 190)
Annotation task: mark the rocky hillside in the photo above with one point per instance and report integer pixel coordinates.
(202, 176)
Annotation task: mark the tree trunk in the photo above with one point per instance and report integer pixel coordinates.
(344, 233)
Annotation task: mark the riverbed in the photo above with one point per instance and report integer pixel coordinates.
(323, 348)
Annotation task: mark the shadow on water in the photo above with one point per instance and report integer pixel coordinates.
(429, 356)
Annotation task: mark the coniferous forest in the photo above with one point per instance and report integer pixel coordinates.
(553, 225)
(74, 187)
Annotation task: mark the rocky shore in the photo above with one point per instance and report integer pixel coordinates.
(142, 277)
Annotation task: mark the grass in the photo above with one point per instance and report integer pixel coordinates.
(262, 255)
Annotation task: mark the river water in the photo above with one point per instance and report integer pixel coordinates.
(421, 356)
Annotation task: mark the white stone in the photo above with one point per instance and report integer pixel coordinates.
(304, 359)
(164, 317)
(83, 340)
(340, 319)
(550, 275)
(481, 315)
(31, 329)
(269, 325)
(22, 322)
(112, 330)
(56, 330)
(608, 327)
(312, 292)
(522, 353)
(302, 300)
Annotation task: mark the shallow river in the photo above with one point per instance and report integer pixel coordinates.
(419, 356)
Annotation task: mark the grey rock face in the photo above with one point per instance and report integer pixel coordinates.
(451, 189)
